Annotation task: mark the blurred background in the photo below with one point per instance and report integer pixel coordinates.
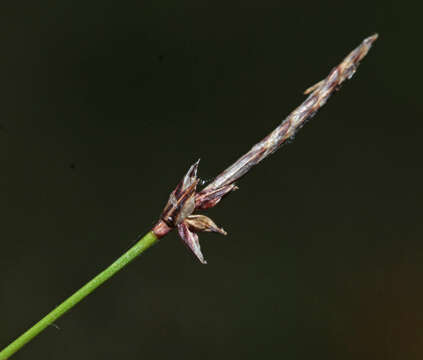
(105, 105)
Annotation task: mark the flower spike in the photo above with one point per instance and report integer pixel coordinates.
(185, 200)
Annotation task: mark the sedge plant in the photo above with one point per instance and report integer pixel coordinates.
(185, 200)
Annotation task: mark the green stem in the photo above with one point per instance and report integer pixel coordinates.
(142, 245)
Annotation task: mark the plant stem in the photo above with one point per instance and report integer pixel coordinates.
(142, 245)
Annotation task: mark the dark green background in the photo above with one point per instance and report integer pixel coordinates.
(103, 107)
